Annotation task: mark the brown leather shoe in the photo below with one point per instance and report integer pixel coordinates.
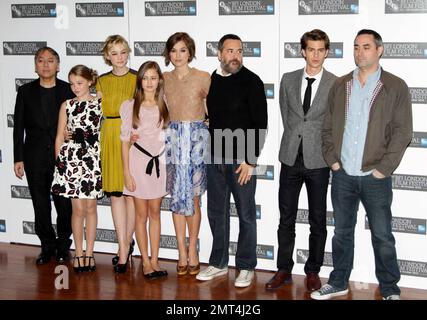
(279, 279)
(312, 281)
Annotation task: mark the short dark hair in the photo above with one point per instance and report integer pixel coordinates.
(173, 40)
(377, 38)
(314, 35)
(43, 49)
(229, 36)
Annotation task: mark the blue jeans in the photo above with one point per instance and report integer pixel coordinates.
(222, 181)
(376, 196)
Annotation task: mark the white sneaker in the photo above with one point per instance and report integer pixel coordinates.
(244, 279)
(327, 292)
(211, 272)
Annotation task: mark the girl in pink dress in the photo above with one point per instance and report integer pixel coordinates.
(144, 164)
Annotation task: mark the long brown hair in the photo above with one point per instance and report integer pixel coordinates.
(139, 95)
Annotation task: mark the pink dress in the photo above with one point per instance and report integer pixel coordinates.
(147, 163)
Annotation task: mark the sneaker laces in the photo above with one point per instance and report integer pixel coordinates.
(209, 270)
(326, 289)
(244, 274)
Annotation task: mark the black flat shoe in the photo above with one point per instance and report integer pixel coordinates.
(161, 273)
(152, 275)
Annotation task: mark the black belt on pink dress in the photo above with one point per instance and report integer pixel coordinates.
(154, 160)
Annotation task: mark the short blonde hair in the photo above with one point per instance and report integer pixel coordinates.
(111, 41)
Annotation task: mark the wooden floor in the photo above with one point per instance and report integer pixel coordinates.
(21, 279)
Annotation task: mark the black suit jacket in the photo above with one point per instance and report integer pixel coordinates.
(34, 129)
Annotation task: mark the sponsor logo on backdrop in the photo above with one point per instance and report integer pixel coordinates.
(28, 227)
(106, 235)
(233, 210)
(149, 48)
(262, 251)
(405, 50)
(413, 268)
(10, 120)
(269, 90)
(308, 7)
(22, 48)
(302, 217)
(21, 81)
(419, 140)
(84, 48)
(170, 8)
(165, 204)
(39, 10)
(250, 49)
(169, 242)
(20, 192)
(105, 201)
(405, 6)
(409, 182)
(245, 7)
(404, 225)
(418, 95)
(302, 257)
(265, 172)
(100, 9)
(102, 235)
(2, 225)
(293, 50)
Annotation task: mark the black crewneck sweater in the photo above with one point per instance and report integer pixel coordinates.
(238, 102)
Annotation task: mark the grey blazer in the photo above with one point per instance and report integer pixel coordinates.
(297, 126)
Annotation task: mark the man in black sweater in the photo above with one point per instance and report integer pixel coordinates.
(35, 123)
(237, 109)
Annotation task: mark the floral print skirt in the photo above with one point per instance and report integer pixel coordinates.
(186, 151)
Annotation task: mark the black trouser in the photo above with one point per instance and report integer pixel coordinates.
(291, 180)
(39, 183)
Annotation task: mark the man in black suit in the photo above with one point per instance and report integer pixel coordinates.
(35, 123)
(303, 101)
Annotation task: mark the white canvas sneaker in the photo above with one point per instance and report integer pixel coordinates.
(244, 279)
(211, 272)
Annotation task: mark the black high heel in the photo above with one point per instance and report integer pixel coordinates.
(115, 259)
(80, 267)
(121, 268)
(90, 267)
(131, 247)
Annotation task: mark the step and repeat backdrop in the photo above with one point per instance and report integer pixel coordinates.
(270, 30)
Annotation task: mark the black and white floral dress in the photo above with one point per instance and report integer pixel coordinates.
(78, 166)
